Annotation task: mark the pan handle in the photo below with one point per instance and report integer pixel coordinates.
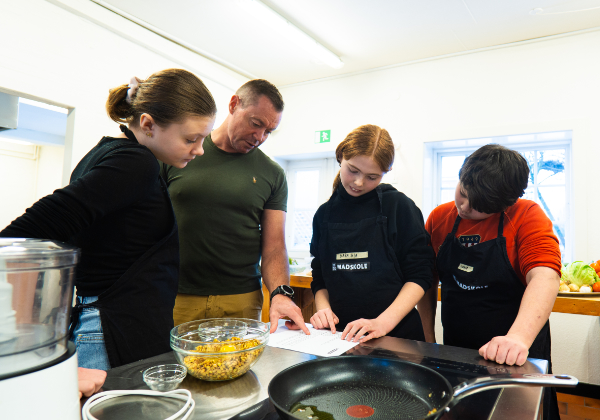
(505, 380)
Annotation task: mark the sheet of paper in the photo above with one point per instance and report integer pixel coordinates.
(319, 342)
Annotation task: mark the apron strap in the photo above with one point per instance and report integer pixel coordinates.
(380, 196)
(501, 225)
(328, 207)
(455, 227)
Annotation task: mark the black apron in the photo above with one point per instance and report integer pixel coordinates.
(136, 312)
(361, 272)
(481, 296)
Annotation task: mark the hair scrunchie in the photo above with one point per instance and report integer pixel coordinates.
(134, 84)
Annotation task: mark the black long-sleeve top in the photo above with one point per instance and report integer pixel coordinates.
(406, 231)
(114, 210)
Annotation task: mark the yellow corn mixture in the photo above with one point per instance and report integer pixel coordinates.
(221, 367)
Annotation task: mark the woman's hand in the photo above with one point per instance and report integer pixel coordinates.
(370, 328)
(90, 381)
(325, 318)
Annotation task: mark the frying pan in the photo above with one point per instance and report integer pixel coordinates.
(350, 387)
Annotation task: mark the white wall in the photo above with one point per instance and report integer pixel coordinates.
(55, 56)
(533, 87)
(28, 172)
(536, 87)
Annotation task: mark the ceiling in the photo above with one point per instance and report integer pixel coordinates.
(365, 34)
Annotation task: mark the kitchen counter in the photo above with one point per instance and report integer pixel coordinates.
(247, 398)
(589, 305)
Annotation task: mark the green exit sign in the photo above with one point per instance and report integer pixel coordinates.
(323, 136)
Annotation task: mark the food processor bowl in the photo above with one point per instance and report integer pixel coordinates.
(36, 296)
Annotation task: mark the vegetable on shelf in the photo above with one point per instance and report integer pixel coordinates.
(579, 277)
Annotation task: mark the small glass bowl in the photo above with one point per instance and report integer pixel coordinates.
(164, 377)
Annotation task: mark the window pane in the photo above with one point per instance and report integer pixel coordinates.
(303, 227)
(307, 189)
(306, 204)
(552, 200)
(529, 194)
(447, 195)
(450, 167)
(551, 167)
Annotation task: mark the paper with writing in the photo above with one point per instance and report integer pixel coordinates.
(319, 342)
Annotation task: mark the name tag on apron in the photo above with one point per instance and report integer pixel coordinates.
(465, 267)
(361, 266)
(351, 255)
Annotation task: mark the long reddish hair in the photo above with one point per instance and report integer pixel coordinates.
(366, 140)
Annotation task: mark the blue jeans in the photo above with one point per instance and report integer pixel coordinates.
(89, 339)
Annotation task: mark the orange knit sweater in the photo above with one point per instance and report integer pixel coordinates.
(530, 240)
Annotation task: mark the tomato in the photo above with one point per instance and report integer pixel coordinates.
(596, 286)
(596, 266)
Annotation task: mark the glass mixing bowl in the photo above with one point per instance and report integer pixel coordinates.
(225, 357)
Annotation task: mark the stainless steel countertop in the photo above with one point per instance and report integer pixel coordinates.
(223, 400)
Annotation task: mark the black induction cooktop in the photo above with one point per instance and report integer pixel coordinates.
(474, 407)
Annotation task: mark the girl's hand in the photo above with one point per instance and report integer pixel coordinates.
(325, 318)
(370, 328)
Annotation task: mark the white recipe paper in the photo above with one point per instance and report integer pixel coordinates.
(319, 342)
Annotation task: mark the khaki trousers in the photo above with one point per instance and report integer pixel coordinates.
(193, 307)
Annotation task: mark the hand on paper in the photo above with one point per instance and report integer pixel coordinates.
(505, 349)
(369, 328)
(282, 306)
(325, 318)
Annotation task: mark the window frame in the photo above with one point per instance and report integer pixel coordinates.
(327, 172)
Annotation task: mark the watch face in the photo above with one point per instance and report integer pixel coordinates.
(287, 289)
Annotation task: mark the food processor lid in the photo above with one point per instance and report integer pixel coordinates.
(44, 253)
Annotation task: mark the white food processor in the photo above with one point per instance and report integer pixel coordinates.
(38, 363)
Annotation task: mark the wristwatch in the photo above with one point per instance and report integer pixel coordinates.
(284, 289)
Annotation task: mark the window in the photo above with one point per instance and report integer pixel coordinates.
(548, 156)
(309, 186)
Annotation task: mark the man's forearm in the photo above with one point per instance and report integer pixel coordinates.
(275, 268)
(536, 305)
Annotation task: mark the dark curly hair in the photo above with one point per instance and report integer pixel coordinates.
(494, 177)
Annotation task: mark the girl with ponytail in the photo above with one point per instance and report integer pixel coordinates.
(117, 210)
(372, 260)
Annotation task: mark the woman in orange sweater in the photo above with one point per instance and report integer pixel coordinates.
(498, 261)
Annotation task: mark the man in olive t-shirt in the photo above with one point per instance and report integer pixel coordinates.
(230, 205)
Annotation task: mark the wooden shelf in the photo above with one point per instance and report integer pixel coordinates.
(563, 304)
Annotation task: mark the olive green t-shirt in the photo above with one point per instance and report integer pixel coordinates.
(219, 199)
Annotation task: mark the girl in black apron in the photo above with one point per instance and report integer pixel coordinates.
(366, 238)
(118, 211)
